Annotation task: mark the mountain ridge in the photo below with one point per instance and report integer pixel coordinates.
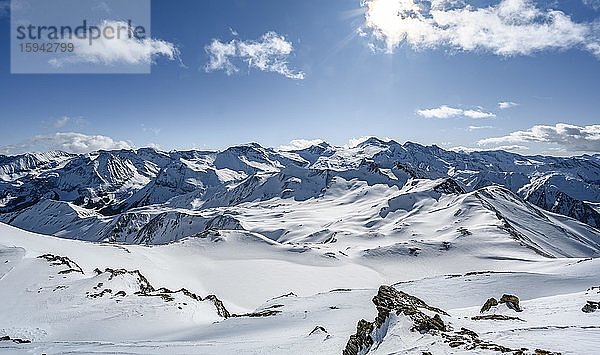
(203, 188)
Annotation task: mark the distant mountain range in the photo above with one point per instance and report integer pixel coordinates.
(375, 249)
(151, 196)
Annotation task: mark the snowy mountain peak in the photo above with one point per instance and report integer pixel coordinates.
(203, 185)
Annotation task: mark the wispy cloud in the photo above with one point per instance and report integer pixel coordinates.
(270, 53)
(511, 27)
(445, 111)
(477, 128)
(570, 137)
(153, 130)
(118, 50)
(503, 105)
(63, 121)
(508, 148)
(478, 114)
(69, 142)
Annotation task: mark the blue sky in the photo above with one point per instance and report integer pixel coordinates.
(357, 80)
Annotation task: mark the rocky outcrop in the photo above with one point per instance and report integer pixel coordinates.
(14, 340)
(591, 307)
(319, 330)
(511, 302)
(389, 300)
(449, 186)
(55, 260)
(147, 290)
(361, 341)
(491, 302)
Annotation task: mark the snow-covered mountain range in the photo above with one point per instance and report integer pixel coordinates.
(138, 196)
(378, 248)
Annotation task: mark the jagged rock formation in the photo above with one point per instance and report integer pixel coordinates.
(392, 302)
(491, 302)
(144, 288)
(389, 300)
(55, 260)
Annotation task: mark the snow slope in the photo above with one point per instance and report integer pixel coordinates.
(115, 182)
(287, 302)
(254, 250)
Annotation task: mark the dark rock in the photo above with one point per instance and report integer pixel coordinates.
(464, 232)
(55, 260)
(512, 302)
(427, 324)
(146, 289)
(14, 340)
(389, 300)
(470, 333)
(491, 302)
(100, 294)
(449, 186)
(591, 307)
(545, 352)
(361, 340)
(318, 329)
(221, 310)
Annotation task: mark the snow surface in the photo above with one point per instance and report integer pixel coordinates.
(250, 273)
(120, 252)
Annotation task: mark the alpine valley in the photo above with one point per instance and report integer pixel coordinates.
(376, 248)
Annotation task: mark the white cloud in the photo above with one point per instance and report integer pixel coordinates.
(477, 128)
(478, 114)
(508, 28)
(67, 120)
(69, 142)
(270, 53)
(299, 144)
(503, 105)
(570, 137)
(440, 112)
(118, 50)
(219, 56)
(508, 148)
(445, 111)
